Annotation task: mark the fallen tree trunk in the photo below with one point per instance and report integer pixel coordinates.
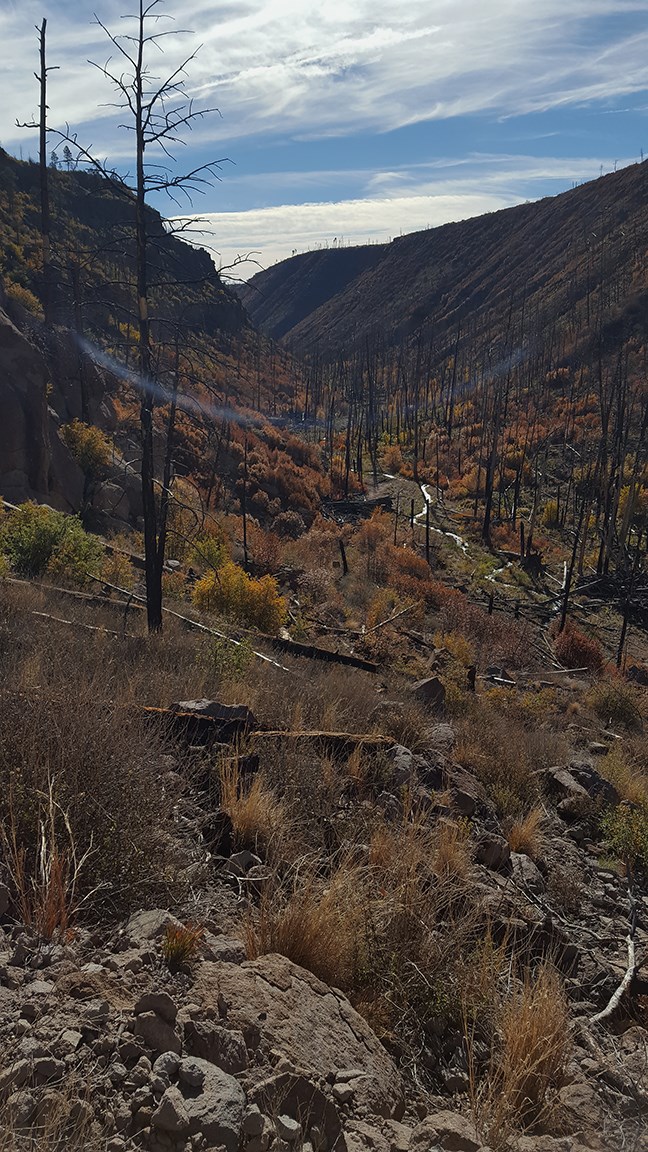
(314, 653)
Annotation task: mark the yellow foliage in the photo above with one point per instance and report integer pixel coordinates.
(88, 445)
(231, 591)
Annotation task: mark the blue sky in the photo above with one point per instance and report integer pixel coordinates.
(356, 121)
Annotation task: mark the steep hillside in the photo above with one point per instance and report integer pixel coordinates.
(229, 380)
(564, 256)
(289, 292)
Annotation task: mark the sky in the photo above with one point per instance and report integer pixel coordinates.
(350, 121)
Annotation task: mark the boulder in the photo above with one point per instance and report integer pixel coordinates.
(447, 1130)
(526, 873)
(216, 1044)
(171, 1114)
(492, 851)
(314, 1025)
(157, 1033)
(294, 1094)
(430, 692)
(215, 1110)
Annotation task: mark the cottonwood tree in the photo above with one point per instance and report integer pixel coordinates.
(158, 112)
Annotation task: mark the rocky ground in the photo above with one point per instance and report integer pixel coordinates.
(102, 1045)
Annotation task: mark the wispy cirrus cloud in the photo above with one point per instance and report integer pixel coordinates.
(388, 204)
(299, 66)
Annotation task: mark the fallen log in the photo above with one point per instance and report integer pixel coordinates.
(314, 653)
(341, 743)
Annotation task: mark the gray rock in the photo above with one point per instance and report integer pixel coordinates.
(288, 1129)
(40, 988)
(159, 1002)
(157, 1033)
(342, 1093)
(222, 1046)
(150, 925)
(446, 1130)
(70, 1040)
(239, 863)
(171, 1114)
(526, 873)
(217, 1111)
(430, 692)
(20, 1108)
(47, 1068)
(492, 851)
(190, 1072)
(254, 1121)
(223, 949)
(167, 1064)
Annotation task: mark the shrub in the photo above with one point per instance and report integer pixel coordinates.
(255, 603)
(533, 1045)
(180, 946)
(576, 650)
(525, 833)
(88, 446)
(210, 550)
(289, 524)
(616, 702)
(626, 830)
(550, 514)
(37, 539)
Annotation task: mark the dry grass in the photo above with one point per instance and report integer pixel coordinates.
(529, 1054)
(525, 833)
(318, 924)
(60, 1122)
(626, 766)
(452, 854)
(261, 821)
(180, 946)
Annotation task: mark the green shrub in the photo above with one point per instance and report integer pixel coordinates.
(37, 539)
(616, 702)
(626, 830)
(229, 661)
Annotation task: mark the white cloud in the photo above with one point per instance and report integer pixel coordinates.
(395, 202)
(303, 67)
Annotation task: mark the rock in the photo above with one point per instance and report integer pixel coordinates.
(20, 1108)
(302, 1017)
(150, 925)
(292, 1093)
(171, 1114)
(5, 898)
(167, 1064)
(217, 1111)
(222, 1046)
(430, 692)
(40, 988)
(225, 721)
(288, 1129)
(224, 949)
(157, 1033)
(492, 851)
(254, 1121)
(240, 863)
(342, 1093)
(159, 1002)
(526, 873)
(408, 769)
(47, 1068)
(190, 1072)
(447, 1130)
(70, 1040)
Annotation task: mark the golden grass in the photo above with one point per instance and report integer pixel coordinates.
(525, 833)
(317, 924)
(261, 820)
(529, 1054)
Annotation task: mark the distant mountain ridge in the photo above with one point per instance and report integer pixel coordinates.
(583, 249)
